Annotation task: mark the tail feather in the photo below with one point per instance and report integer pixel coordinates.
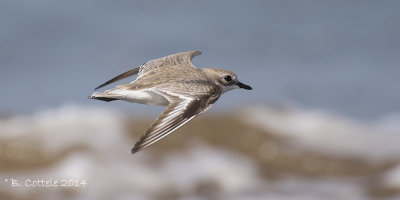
(103, 97)
(107, 99)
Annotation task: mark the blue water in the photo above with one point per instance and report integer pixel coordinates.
(339, 56)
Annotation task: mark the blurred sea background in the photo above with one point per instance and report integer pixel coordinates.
(322, 120)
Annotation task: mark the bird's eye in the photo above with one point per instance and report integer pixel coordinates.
(228, 78)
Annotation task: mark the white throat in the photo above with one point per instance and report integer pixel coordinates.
(229, 88)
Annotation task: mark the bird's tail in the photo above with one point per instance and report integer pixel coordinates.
(103, 96)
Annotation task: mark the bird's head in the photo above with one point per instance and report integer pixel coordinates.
(226, 79)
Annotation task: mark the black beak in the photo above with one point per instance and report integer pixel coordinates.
(244, 86)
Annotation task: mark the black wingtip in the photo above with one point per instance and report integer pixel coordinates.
(135, 149)
(100, 86)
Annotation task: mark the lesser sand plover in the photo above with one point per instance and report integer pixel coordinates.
(171, 81)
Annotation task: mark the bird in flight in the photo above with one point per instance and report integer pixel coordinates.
(174, 82)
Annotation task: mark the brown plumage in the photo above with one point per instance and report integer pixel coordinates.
(171, 81)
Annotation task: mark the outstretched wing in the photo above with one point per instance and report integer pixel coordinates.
(126, 74)
(175, 115)
(171, 60)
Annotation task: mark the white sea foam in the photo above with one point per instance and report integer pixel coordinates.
(111, 172)
(391, 178)
(54, 130)
(328, 133)
(109, 169)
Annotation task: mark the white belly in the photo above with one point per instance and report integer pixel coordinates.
(142, 97)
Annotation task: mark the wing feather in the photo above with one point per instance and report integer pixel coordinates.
(123, 75)
(175, 115)
(171, 60)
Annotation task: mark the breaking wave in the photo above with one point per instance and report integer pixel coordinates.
(91, 144)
